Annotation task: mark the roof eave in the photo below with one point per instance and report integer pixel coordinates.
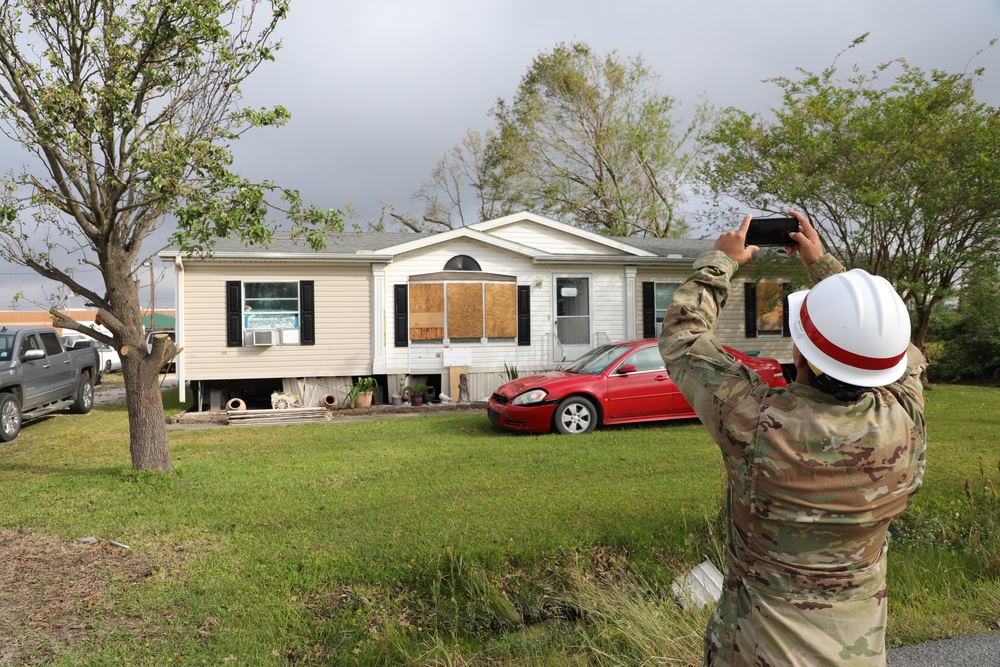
(265, 256)
(614, 260)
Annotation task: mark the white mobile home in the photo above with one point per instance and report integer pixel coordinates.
(522, 292)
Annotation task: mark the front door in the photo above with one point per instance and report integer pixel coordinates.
(572, 318)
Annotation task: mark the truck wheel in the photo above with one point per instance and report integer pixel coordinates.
(10, 417)
(84, 400)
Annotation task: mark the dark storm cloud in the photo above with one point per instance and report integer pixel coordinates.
(379, 90)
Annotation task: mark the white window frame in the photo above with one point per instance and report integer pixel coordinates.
(287, 335)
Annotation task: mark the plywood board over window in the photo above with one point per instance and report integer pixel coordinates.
(770, 308)
(501, 310)
(465, 310)
(426, 311)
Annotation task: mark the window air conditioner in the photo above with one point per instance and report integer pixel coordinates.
(264, 337)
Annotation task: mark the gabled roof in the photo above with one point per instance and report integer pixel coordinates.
(462, 232)
(671, 248)
(367, 247)
(570, 230)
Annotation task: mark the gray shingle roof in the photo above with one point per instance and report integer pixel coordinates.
(351, 242)
(686, 248)
(337, 244)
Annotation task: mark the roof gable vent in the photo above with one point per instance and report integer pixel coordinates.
(462, 263)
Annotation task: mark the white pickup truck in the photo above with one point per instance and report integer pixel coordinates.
(38, 375)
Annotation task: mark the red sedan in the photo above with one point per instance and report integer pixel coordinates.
(618, 383)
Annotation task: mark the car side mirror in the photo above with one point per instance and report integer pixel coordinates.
(32, 355)
(626, 369)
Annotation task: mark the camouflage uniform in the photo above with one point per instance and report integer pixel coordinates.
(812, 486)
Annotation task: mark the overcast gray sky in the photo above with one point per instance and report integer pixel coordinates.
(380, 89)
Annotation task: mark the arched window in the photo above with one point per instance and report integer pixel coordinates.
(462, 263)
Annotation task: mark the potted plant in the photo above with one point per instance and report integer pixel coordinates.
(362, 391)
(416, 393)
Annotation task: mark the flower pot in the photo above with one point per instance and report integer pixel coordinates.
(417, 399)
(363, 400)
(329, 401)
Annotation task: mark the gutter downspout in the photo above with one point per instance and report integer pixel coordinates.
(179, 324)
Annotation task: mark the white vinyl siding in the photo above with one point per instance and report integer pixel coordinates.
(550, 240)
(343, 322)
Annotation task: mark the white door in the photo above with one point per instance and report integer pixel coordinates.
(572, 317)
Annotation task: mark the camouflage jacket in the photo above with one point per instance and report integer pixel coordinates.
(812, 486)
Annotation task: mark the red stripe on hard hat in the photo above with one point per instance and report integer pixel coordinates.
(837, 353)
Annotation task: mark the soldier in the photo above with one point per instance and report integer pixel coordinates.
(817, 470)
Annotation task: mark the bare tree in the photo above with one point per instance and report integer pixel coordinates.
(461, 189)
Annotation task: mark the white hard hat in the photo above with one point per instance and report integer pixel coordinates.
(853, 327)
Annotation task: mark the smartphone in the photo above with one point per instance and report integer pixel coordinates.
(766, 232)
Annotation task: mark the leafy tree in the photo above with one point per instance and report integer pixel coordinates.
(586, 139)
(966, 340)
(128, 110)
(901, 179)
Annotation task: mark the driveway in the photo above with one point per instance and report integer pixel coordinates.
(973, 651)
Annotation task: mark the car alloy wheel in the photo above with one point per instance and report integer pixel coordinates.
(576, 415)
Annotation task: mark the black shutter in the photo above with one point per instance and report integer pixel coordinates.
(648, 310)
(234, 313)
(750, 304)
(524, 314)
(786, 329)
(401, 318)
(307, 312)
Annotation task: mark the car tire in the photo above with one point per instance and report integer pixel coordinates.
(576, 415)
(84, 400)
(10, 417)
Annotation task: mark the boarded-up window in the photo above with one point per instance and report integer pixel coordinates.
(457, 310)
(465, 310)
(770, 308)
(426, 311)
(766, 309)
(501, 310)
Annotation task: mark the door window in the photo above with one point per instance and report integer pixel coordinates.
(573, 311)
(30, 343)
(646, 359)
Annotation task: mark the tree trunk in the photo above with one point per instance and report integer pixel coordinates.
(148, 442)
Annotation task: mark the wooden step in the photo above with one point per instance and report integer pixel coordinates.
(284, 416)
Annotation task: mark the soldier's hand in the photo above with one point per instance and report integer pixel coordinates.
(810, 247)
(733, 243)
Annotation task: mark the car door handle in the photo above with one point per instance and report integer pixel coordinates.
(661, 378)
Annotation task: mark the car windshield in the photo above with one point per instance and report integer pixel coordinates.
(595, 361)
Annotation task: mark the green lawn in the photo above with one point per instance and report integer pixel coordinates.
(439, 540)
